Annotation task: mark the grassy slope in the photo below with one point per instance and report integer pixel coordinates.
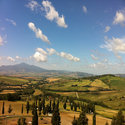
(12, 80)
(114, 99)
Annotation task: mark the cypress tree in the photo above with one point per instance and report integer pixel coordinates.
(54, 105)
(35, 116)
(94, 118)
(50, 105)
(64, 106)
(22, 121)
(71, 106)
(43, 105)
(75, 107)
(3, 108)
(39, 107)
(82, 120)
(56, 117)
(74, 122)
(27, 107)
(58, 103)
(22, 109)
(106, 123)
(10, 109)
(119, 119)
(33, 107)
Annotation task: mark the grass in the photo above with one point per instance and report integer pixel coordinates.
(12, 80)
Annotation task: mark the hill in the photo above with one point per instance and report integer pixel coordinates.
(24, 69)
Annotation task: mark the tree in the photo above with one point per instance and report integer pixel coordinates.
(10, 109)
(118, 119)
(27, 107)
(74, 122)
(50, 105)
(35, 116)
(106, 123)
(22, 109)
(54, 105)
(94, 118)
(43, 105)
(56, 117)
(22, 121)
(39, 107)
(71, 106)
(3, 108)
(64, 106)
(82, 120)
(75, 107)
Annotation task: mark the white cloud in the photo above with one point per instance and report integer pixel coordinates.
(116, 45)
(32, 5)
(40, 55)
(10, 59)
(0, 58)
(94, 57)
(1, 41)
(11, 21)
(119, 17)
(107, 28)
(51, 51)
(69, 57)
(84, 9)
(38, 32)
(18, 57)
(41, 51)
(52, 14)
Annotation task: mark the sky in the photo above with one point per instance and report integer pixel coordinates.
(75, 35)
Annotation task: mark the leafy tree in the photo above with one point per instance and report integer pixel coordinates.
(74, 122)
(27, 107)
(22, 109)
(56, 117)
(82, 120)
(3, 108)
(118, 119)
(10, 109)
(22, 121)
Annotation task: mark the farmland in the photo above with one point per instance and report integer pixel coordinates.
(107, 92)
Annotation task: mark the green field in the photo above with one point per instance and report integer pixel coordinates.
(12, 80)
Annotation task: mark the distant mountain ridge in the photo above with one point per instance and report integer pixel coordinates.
(24, 68)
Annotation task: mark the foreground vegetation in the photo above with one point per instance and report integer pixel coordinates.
(75, 95)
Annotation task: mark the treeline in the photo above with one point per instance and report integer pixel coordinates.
(10, 97)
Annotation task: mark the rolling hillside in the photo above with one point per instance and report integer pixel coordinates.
(24, 69)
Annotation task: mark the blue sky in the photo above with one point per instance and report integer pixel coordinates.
(76, 35)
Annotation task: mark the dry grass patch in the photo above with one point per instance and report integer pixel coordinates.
(99, 83)
(53, 79)
(7, 91)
